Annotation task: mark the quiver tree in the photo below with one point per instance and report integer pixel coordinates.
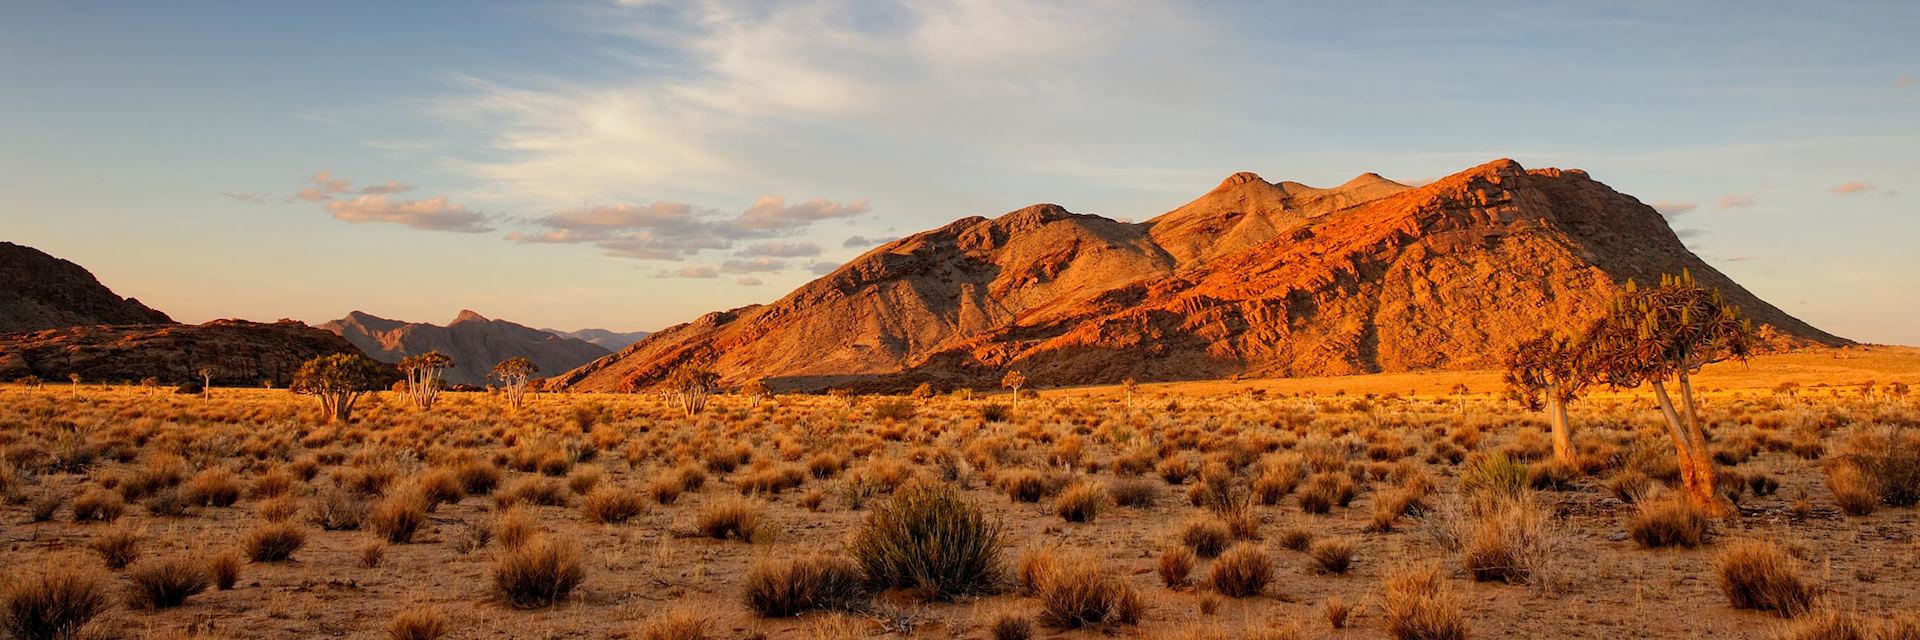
(339, 380)
(206, 382)
(1546, 373)
(1664, 335)
(1014, 380)
(425, 376)
(755, 390)
(690, 386)
(514, 375)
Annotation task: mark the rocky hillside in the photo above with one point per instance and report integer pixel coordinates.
(475, 343)
(39, 291)
(1253, 278)
(609, 340)
(237, 352)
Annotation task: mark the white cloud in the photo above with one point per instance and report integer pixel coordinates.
(432, 214)
(1854, 187)
(391, 187)
(748, 281)
(1734, 200)
(690, 271)
(754, 265)
(325, 186)
(673, 230)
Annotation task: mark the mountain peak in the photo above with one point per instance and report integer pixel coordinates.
(467, 315)
(1240, 178)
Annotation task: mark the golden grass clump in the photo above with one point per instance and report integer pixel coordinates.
(613, 505)
(163, 583)
(1669, 521)
(118, 546)
(930, 539)
(399, 516)
(224, 568)
(1175, 566)
(1080, 502)
(417, 623)
(1418, 605)
(1078, 591)
(674, 625)
(1332, 555)
(538, 573)
(788, 587)
(1206, 536)
(97, 505)
(1242, 571)
(274, 541)
(1760, 575)
(731, 517)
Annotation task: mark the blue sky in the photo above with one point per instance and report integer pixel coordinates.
(633, 165)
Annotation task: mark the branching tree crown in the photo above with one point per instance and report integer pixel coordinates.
(339, 380)
(425, 376)
(514, 375)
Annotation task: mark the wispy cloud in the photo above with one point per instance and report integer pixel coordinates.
(245, 196)
(1735, 200)
(324, 188)
(390, 188)
(863, 242)
(690, 271)
(1675, 209)
(748, 281)
(753, 265)
(781, 249)
(675, 230)
(432, 214)
(1850, 188)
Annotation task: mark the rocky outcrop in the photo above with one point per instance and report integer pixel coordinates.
(475, 343)
(236, 352)
(39, 291)
(1253, 278)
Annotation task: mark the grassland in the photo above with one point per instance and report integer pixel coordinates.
(1366, 507)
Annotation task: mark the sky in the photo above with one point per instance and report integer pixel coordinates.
(633, 165)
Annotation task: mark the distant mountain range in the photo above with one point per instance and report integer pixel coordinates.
(609, 340)
(57, 320)
(475, 343)
(1253, 278)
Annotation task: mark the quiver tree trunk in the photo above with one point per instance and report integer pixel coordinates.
(1690, 449)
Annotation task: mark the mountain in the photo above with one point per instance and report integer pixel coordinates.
(1253, 278)
(475, 343)
(39, 291)
(609, 340)
(237, 352)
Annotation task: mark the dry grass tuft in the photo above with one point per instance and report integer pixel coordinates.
(1331, 556)
(539, 573)
(731, 517)
(1760, 575)
(417, 623)
(1419, 606)
(612, 505)
(159, 584)
(1241, 572)
(55, 601)
(789, 587)
(118, 546)
(1175, 566)
(1669, 521)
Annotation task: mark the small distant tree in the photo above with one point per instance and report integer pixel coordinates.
(515, 374)
(1898, 390)
(924, 391)
(1546, 373)
(1014, 380)
(206, 383)
(1664, 335)
(1790, 389)
(755, 390)
(339, 380)
(75, 379)
(690, 386)
(1127, 387)
(425, 376)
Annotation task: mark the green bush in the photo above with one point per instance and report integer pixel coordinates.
(929, 539)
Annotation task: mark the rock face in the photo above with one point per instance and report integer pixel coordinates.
(1253, 278)
(609, 340)
(475, 343)
(237, 352)
(39, 291)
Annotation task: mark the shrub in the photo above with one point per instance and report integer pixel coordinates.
(1010, 626)
(607, 505)
(1331, 556)
(373, 553)
(477, 478)
(212, 488)
(1080, 592)
(1080, 502)
(1851, 489)
(1242, 571)
(160, 584)
(53, 602)
(397, 517)
(1206, 536)
(1760, 575)
(1553, 475)
(1296, 538)
(1829, 624)
(1890, 460)
(515, 527)
(1630, 485)
(1027, 485)
(1496, 474)
(438, 487)
(277, 509)
(1510, 542)
(770, 481)
(97, 505)
(1325, 490)
(538, 573)
(1175, 565)
(118, 546)
(676, 625)
(417, 623)
(274, 542)
(339, 510)
(584, 479)
(1668, 522)
(543, 491)
(785, 588)
(665, 489)
(737, 518)
(224, 568)
(1337, 612)
(1418, 606)
(930, 539)
(1138, 493)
